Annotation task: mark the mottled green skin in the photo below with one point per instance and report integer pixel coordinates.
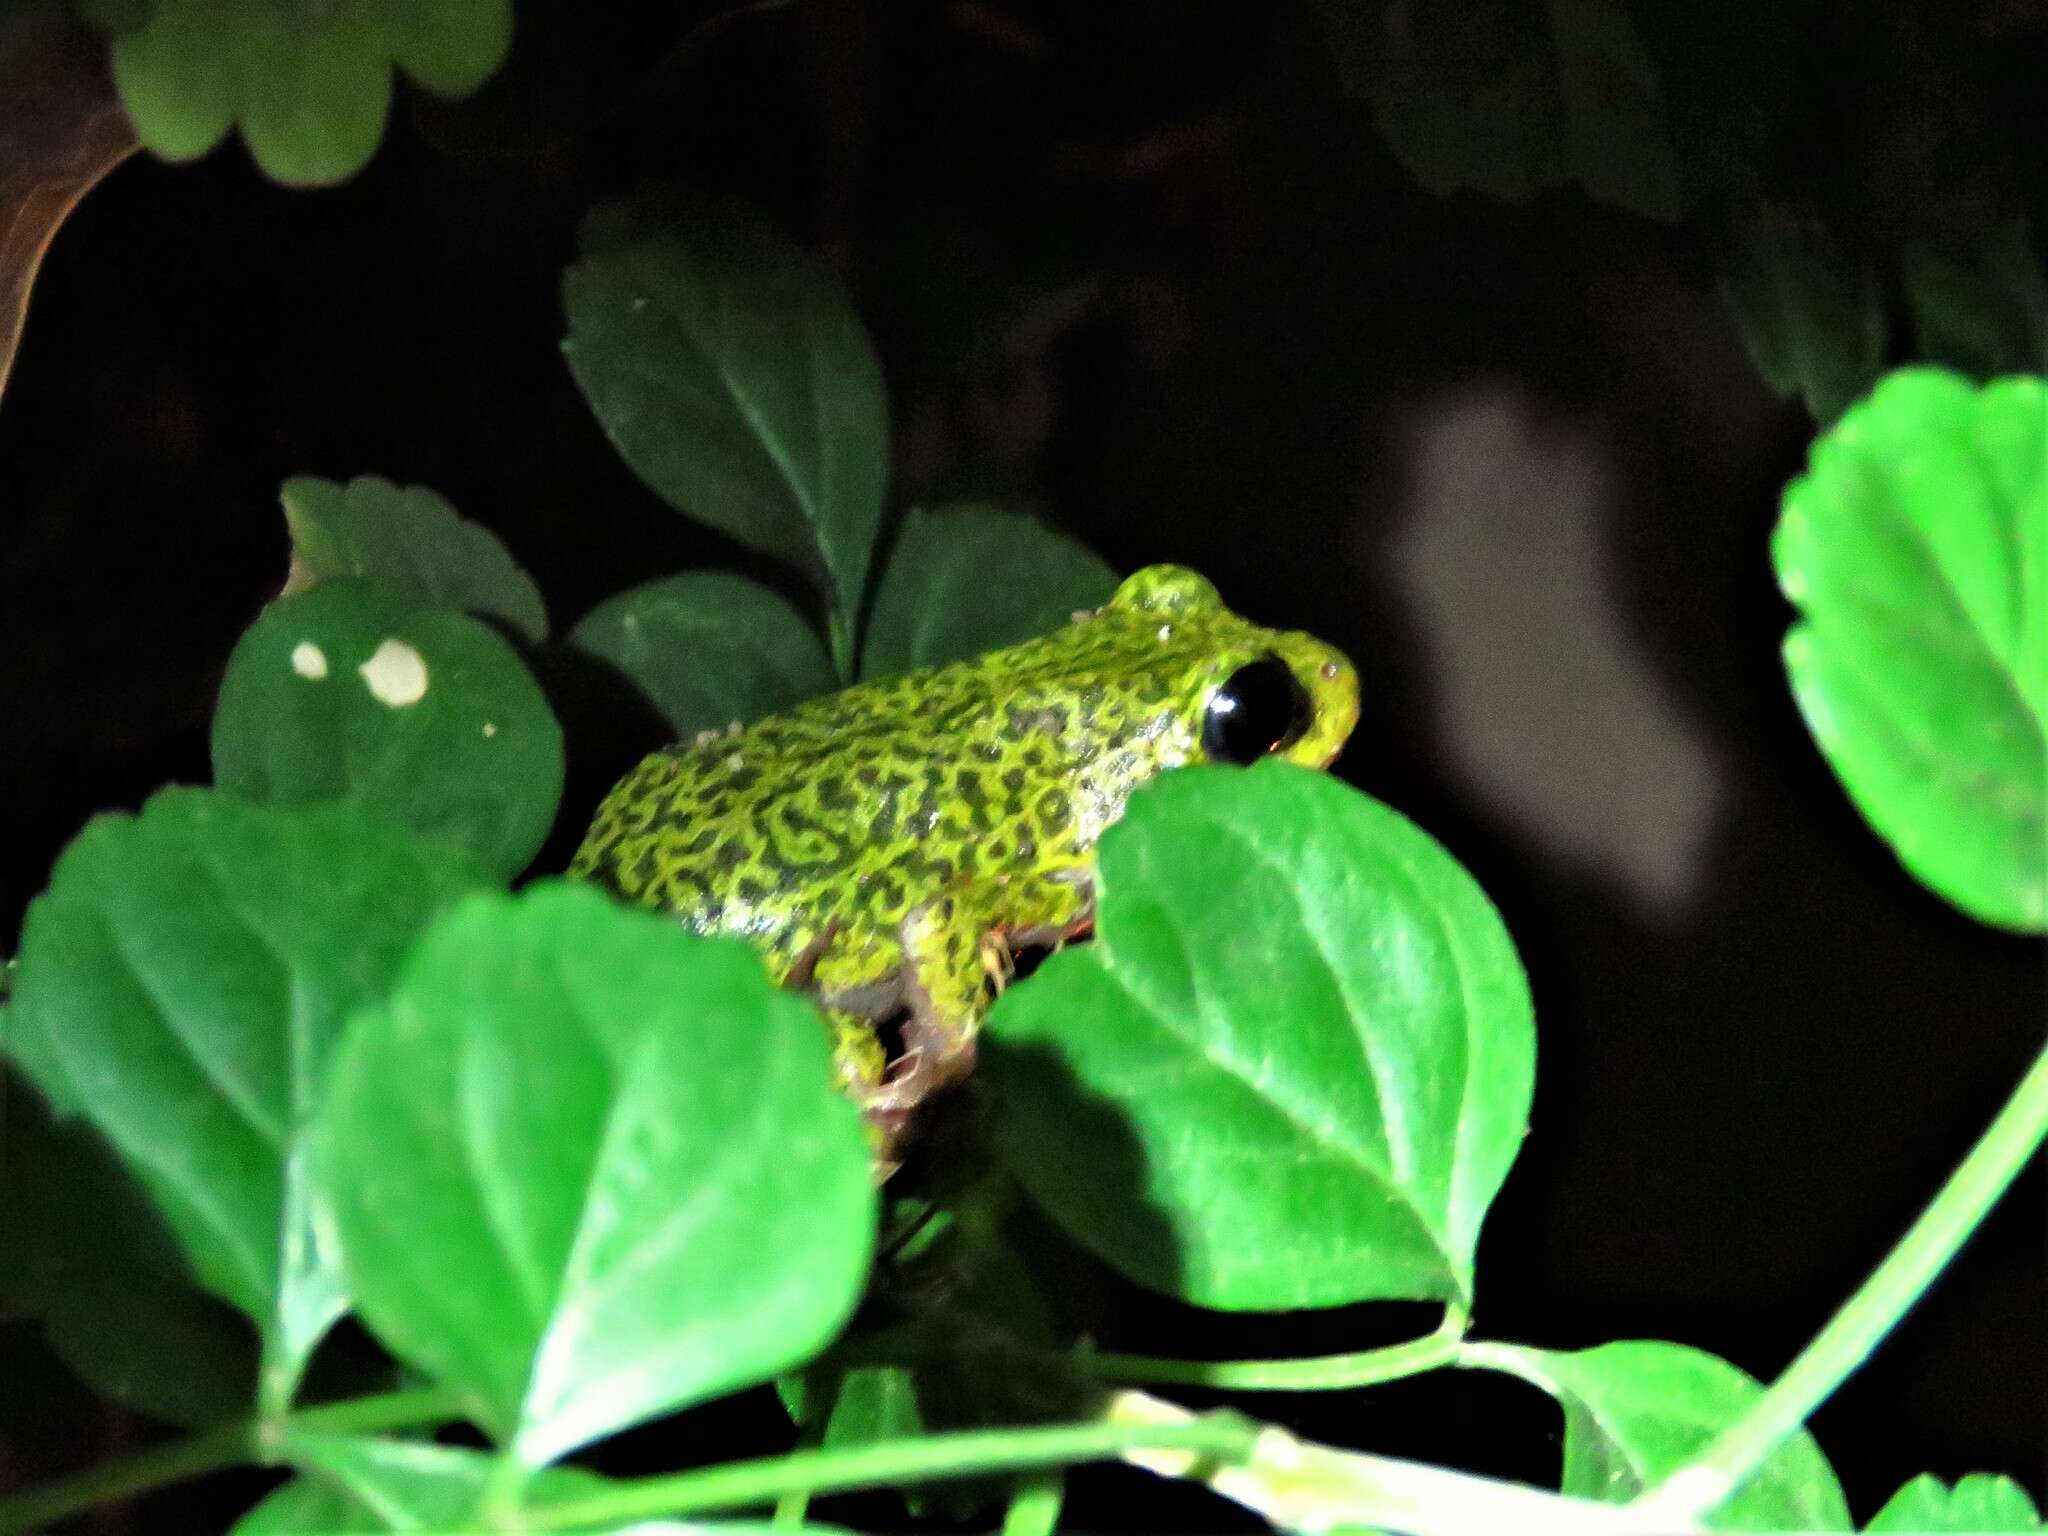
(883, 844)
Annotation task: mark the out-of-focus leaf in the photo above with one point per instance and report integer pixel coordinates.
(1979, 1502)
(409, 539)
(732, 373)
(1982, 310)
(709, 648)
(351, 691)
(60, 131)
(1916, 549)
(1811, 310)
(966, 579)
(309, 85)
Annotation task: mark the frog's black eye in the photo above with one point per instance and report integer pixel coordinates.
(1259, 709)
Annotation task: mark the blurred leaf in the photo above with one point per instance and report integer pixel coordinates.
(967, 579)
(1509, 99)
(733, 375)
(1811, 312)
(88, 1256)
(60, 132)
(1979, 1502)
(181, 983)
(421, 715)
(1982, 311)
(709, 648)
(307, 1506)
(1638, 1409)
(395, 1485)
(1294, 1066)
(1916, 549)
(584, 1168)
(309, 85)
(409, 539)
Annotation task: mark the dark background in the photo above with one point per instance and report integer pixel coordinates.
(1142, 268)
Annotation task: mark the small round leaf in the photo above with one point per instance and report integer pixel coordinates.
(1978, 1502)
(420, 715)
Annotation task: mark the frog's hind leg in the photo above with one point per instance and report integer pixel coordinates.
(956, 948)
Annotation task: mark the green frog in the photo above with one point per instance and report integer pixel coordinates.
(887, 847)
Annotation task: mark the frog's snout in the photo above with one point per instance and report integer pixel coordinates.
(1331, 682)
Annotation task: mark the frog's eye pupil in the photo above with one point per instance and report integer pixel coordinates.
(1260, 708)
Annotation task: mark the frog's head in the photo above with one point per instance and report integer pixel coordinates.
(1249, 692)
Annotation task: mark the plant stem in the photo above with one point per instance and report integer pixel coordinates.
(1857, 1329)
(889, 1463)
(244, 1441)
(839, 637)
(1322, 1373)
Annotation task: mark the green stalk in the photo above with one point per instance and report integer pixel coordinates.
(243, 1442)
(1857, 1329)
(1321, 1373)
(736, 1485)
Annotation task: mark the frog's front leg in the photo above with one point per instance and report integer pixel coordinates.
(954, 947)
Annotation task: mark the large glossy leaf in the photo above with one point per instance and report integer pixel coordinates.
(1638, 1409)
(182, 982)
(1916, 548)
(1811, 310)
(585, 1168)
(1979, 1502)
(409, 539)
(941, 598)
(421, 715)
(1294, 1066)
(709, 648)
(310, 85)
(734, 376)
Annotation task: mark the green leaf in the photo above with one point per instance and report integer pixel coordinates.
(310, 85)
(1983, 309)
(1979, 1502)
(732, 373)
(400, 1485)
(709, 648)
(585, 1168)
(936, 602)
(1639, 1409)
(1916, 548)
(1811, 311)
(1296, 1063)
(409, 539)
(88, 1256)
(1510, 100)
(182, 981)
(421, 715)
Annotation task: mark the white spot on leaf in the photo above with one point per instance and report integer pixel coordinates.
(309, 661)
(396, 674)
(490, 729)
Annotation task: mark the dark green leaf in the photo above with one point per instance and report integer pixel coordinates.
(709, 648)
(1294, 1066)
(181, 984)
(939, 600)
(585, 1168)
(1979, 1502)
(1811, 311)
(1637, 1410)
(88, 1256)
(1982, 310)
(409, 539)
(1509, 99)
(421, 715)
(731, 372)
(310, 85)
(1916, 548)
